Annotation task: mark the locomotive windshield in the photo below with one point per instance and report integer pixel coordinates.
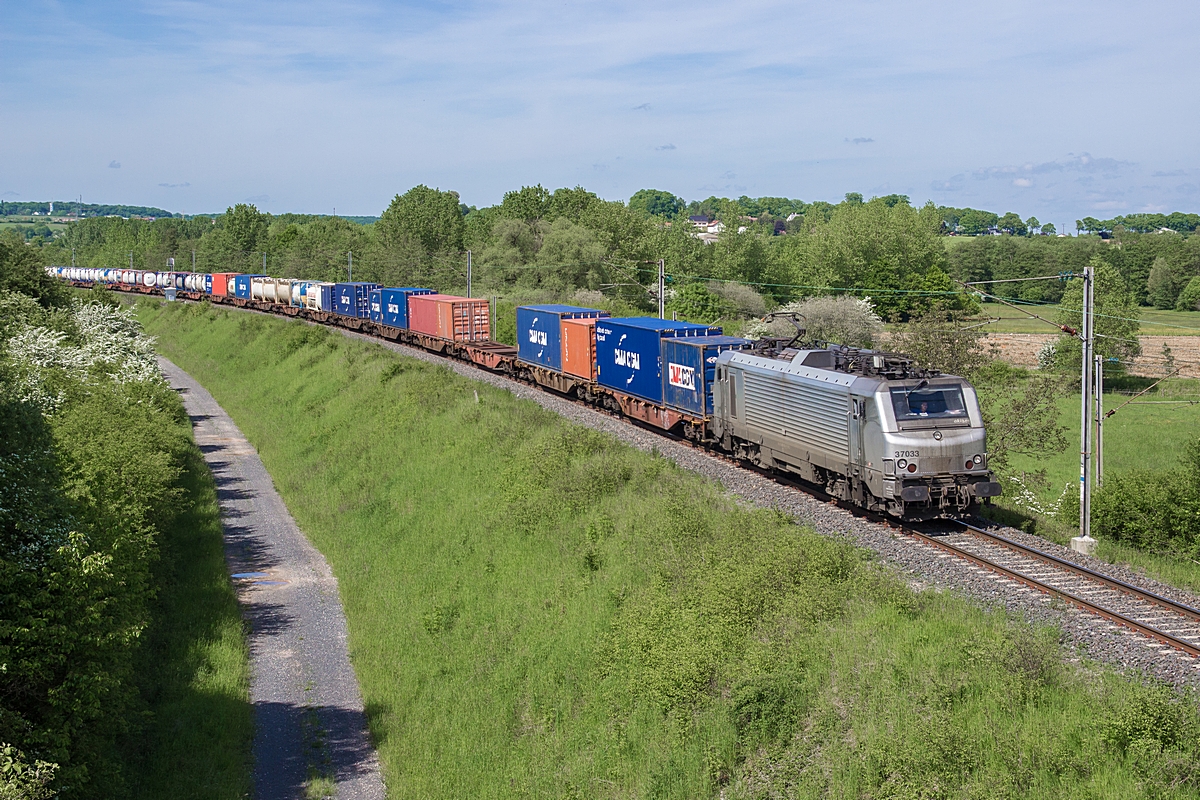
(929, 402)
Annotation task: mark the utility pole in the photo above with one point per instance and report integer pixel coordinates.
(72, 256)
(1099, 420)
(264, 263)
(193, 261)
(1084, 543)
(662, 288)
(349, 259)
(468, 273)
(131, 259)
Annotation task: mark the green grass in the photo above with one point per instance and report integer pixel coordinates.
(1154, 322)
(194, 663)
(1147, 434)
(536, 610)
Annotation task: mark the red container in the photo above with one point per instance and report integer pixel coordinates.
(579, 348)
(459, 319)
(222, 283)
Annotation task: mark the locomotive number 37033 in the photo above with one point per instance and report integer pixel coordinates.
(908, 454)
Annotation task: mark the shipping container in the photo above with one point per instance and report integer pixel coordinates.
(539, 332)
(223, 283)
(395, 304)
(579, 348)
(241, 285)
(689, 367)
(318, 296)
(629, 352)
(459, 319)
(353, 299)
(375, 301)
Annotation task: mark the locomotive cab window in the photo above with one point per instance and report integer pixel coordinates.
(929, 402)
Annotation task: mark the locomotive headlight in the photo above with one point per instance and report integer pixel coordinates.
(901, 463)
(978, 460)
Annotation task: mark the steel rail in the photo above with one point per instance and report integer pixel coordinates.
(932, 540)
(1087, 605)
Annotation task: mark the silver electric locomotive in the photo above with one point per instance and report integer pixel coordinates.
(870, 427)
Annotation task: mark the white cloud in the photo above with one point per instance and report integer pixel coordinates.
(1023, 182)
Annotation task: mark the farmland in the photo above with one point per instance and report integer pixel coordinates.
(535, 609)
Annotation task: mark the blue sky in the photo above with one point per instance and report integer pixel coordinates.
(1058, 110)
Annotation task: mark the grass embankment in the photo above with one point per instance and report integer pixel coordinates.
(538, 610)
(193, 666)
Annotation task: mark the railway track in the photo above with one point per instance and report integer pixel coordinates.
(1161, 619)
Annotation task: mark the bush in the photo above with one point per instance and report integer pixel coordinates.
(839, 320)
(1157, 511)
(1189, 298)
(91, 447)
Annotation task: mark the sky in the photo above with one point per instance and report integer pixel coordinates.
(1056, 110)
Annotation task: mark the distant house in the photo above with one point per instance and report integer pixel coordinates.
(700, 221)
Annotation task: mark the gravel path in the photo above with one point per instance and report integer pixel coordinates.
(921, 566)
(308, 711)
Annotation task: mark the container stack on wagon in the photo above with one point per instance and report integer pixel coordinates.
(629, 352)
(446, 316)
(540, 333)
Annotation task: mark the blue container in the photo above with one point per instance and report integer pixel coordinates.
(395, 304)
(353, 299)
(318, 296)
(689, 367)
(241, 285)
(375, 305)
(207, 283)
(629, 352)
(539, 332)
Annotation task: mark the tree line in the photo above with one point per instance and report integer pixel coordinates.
(549, 245)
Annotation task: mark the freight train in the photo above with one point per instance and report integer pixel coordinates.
(870, 428)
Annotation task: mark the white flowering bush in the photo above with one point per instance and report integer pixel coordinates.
(1047, 355)
(1027, 500)
(842, 320)
(107, 345)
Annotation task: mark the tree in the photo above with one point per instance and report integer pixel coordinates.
(246, 228)
(656, 203)
(1032, 224)
(1116, 327)
(1011, 223)
(854, 198)
(21, 271)
(424, 216)
(1049, 229)
(1189, 298)
(1161, 286)
(529, 203)
(976, 223)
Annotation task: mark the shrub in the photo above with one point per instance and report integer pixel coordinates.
(1189, 298)
(1153, 510)
(839, 320)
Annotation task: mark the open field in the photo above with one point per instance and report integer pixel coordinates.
(1154, 321)
(537, 610)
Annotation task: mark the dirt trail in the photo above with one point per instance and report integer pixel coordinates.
(308, 710)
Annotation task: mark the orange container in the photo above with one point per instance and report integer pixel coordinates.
(220, 283)
(579, 348)
(459, 319)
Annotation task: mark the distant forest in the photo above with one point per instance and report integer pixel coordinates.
(550, 245)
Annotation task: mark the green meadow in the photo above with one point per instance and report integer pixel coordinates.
(537, 610)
